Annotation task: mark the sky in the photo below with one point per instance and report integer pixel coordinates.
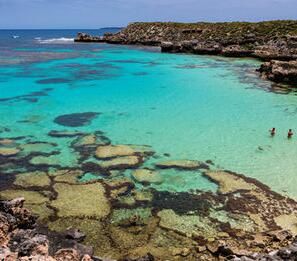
(67, 14)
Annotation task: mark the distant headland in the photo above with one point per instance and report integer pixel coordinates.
(274, 42)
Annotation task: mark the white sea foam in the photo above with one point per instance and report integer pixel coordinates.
(61, 40)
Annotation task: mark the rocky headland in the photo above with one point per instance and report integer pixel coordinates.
(274, 42)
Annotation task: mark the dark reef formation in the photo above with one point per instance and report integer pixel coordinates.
(76, 119)
(268, 41)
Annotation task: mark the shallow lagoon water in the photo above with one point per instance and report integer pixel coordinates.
(184, 106)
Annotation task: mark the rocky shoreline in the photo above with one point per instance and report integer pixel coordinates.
(120, 214)
(274, 42)
(22, 238)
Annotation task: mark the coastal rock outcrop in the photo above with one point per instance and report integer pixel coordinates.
(280, 71)
(271, 40)
(83, 37)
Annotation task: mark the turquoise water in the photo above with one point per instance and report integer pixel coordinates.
(191, 107)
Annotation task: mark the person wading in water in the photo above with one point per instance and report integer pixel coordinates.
(272, 132)
(290, 134)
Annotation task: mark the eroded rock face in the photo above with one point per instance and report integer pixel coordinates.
(170, 47)
(280, 71)
(237, 51)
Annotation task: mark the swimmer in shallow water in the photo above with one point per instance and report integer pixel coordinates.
(290, 134)
(272, 131)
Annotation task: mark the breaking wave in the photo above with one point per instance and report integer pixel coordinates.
(61, 40)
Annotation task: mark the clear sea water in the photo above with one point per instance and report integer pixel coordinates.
(191, 107)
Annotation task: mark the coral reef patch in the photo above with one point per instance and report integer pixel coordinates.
(76, 119)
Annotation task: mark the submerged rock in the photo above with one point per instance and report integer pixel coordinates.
(143, 195)
(35, 201)
(187, 225)
(287, 221)
(65, 134)
(76, 119)
(89, 140)
(69, 176)
(147, 176)
(7, 152)
(53, 160)
(6, 142)
(228, 182)
(126, 162)
(119, 187)
(182, 164)
(94, 229)
(43, 147)
(112, 151)
(131, 217)
(32, 197)
(81, 200)
(267, 209)
(31, 179)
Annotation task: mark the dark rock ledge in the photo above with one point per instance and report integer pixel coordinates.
(271, 41)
